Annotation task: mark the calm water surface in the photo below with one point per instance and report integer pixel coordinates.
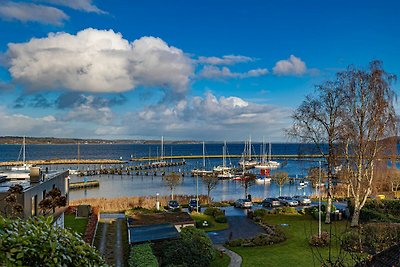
(118, 186)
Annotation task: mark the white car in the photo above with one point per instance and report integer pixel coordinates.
(243, 203)
(303, 200)
(288, 201)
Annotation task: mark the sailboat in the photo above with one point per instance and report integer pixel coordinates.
(223, 168)
(161, 161)
(24, 166)
(247, 161)
(203, 171)
(270, 164)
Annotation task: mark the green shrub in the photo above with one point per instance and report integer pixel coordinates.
(260, 213)
(351, 241)
(322, 241)
(194, 248)
(289, 210)
(221, 219)
(235, 243)
(210, 211)
(142, 256)
(214, 212)
(37, 242)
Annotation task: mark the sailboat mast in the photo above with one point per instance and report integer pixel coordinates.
(23, 153)
(79, 154)
(250, 147)
(162, 148)
(224, 155)
(270, 157)
(204, 157)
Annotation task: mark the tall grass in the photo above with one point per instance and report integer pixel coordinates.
(124, 203)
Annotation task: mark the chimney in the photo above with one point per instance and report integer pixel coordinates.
(35, 175)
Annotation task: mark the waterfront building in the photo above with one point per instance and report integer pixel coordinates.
(34, 190)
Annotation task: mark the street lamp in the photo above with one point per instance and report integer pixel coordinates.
(157, 202)
(319, 201)
(197, 192)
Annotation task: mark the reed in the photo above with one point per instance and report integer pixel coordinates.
(124, 203)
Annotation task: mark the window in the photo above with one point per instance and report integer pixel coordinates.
(44, 194)
(34, 205)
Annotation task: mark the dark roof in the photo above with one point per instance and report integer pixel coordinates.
(153, 232)
(387, 258)
(160, 218)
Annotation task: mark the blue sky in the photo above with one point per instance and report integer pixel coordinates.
(204, 70)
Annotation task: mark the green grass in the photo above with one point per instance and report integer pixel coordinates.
(219, 261)
(295, 251)
(76, 225)
(212, 224)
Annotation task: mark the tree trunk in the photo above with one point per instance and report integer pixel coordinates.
(280, 190)
(356, 217)
(208, 196)
(329, 203)
(172, 194)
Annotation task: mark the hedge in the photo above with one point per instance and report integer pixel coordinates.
(142, 256)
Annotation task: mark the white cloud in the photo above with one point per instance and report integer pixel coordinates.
(98, 61)
(208, 118)
(291, 66)
(84, 5)
(213, 72)
(28, 12)
(225, 60)
(88, 111)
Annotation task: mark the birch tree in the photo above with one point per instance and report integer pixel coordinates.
(318, 120)
(369, 121)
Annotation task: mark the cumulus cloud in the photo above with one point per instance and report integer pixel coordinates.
(207, 117)
(213, 72)
(28, 12)
(98, 61)
(83, 5)
(225, 60)
(291, 66)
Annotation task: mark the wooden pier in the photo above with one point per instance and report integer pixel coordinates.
(83, 185)
(63, 162)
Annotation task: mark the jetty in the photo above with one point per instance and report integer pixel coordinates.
(63, 162)
(83, 185)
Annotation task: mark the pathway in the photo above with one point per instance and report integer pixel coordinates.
(236, 260)
(110, 243)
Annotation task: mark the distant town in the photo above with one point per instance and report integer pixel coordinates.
(56, 141)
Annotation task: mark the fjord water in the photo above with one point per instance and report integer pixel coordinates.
(132, 185)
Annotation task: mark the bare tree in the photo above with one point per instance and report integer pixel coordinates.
(53, 199)
(13, 207)
(313, 176)
(248, 180)
(369, 121)
(172, 180)
(394, 178)
(211, 181)
(280, 178)
(318, 121)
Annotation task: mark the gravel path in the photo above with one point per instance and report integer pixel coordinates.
(236, 260)
(118, 247)
(103, 239)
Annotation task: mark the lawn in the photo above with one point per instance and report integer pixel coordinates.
(76, 225)
(219, 261)
(212, 224)
(295, 251)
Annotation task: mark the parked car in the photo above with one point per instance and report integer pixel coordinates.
(303, 200)
(271, 202)
(193, 205)
(173, 205)
(243, 203)
(288, 201)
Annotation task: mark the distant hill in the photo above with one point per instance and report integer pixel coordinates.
(53, 140)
